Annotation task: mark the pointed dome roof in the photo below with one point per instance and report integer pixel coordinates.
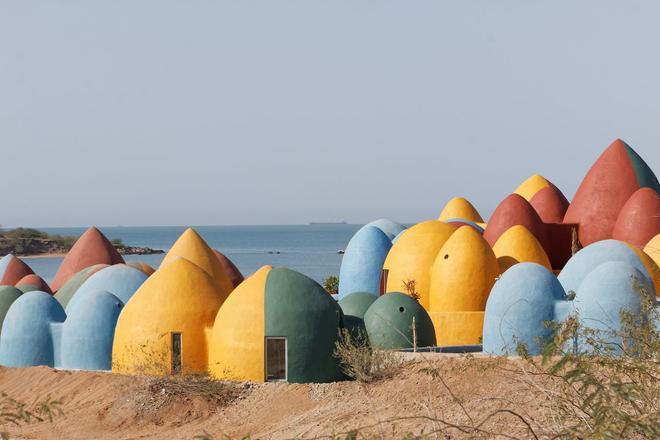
(652, 249)
(518, 245)
(191, 246)
(12, 269)
(514, 210)
(639, 219)
(550, 204)
(459, 207)
(33, 282)
(235, 275)
(610, 182)
(91, 248)
(531, 186)
(178, 297)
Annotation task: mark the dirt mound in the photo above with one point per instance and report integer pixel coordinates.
(432, 389)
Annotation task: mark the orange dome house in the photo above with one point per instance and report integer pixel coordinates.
(463, 272)
(639, 219)
(606, 188)
(514, 210)
(550, 204)
(12, 269)
(91, 248)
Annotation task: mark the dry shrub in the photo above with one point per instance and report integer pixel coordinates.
(178, 387)
(361, 362)
(13, 412)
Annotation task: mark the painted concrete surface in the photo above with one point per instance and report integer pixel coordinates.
(362, 264)
(459, 207)
(518, 245)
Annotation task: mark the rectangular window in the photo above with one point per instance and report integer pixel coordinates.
(276, 359)
(383, 280)
(176, 353)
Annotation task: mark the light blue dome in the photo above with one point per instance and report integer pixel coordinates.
(89, 330)
(362, 265)
(605, 292)
(120, 279)
(518, 305)
(27, 337)
(592, 256)
(389, 228)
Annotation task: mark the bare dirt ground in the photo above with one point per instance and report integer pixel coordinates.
(458, 390)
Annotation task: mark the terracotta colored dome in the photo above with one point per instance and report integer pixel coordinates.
(91, 248)
(639, 219)
(33, 282)
(12, 269)
(608, 185)
(550, 204)
(514, 210)
(230, 268)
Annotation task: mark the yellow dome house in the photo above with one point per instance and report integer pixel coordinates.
(165, 326)
(531, 186)
(460, 208)
(193, 248)
(518, 245)
(462, 276)
(412, 256)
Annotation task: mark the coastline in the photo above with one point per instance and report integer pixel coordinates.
(46, 255)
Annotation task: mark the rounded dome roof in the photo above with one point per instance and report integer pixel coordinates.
(412, 256)
(66, 292)
(459, 207)
(8, 295)
(90, 249)
(191, 246)
(389, 322)
(463, 273)
(592, 256)
(121, 280)
(610, 182)
(550, 204)
(235, 275)
(140, 265)
(33, 282)
(12, 269)
(514, 210)
(518, 305)
(639, 219)
(178, 297)
(607, 290)
(389, 227)
(531, 186)
(356, 303)
(363, 260)
(652, 249)
(518, 245)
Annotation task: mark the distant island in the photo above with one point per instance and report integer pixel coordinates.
(341, 222)
(32, 242)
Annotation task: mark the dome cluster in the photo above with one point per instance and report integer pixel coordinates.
(499, 282)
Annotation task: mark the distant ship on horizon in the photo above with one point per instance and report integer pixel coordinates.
(340, 222)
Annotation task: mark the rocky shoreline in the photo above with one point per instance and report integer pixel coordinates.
(34, 247)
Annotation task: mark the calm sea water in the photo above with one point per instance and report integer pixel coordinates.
(309, 249)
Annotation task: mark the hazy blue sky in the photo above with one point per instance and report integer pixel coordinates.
(217, 112)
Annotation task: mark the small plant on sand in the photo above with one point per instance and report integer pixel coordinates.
(608, 385)
(360, 361)
(410, 287)
(331, 284)
(13, 412)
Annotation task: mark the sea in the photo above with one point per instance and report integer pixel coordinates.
(310, 249)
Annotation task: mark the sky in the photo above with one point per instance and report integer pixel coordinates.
(285, 112)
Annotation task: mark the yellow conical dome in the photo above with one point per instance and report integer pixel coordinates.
(652, 249)
(458, 207)
(531, 186)
(193, 248)
(241, 357)
(179, 298)
(412, 255)
(518, 245)
(462, 275)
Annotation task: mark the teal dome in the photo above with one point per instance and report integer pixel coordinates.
(389, 320)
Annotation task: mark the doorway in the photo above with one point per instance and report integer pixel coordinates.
(276, 359)
(176, 353)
